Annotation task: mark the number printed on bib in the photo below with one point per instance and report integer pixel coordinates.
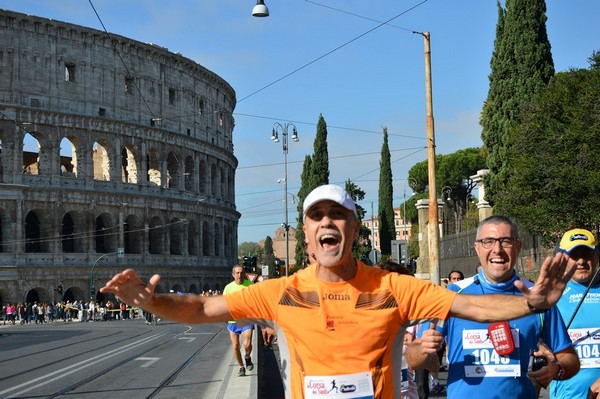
(481, 360)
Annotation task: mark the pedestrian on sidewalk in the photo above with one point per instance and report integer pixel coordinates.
(339, 319)
(240, 282)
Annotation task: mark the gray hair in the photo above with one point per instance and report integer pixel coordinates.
(499, 219)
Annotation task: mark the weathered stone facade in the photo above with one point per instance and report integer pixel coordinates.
(135, 154)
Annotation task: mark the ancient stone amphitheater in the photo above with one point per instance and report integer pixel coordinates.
(114, 154)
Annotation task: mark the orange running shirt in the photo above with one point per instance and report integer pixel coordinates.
(329, 329)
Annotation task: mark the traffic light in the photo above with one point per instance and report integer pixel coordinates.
(253, 264)
(247, 263)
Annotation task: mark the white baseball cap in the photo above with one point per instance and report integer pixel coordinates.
(329, 192)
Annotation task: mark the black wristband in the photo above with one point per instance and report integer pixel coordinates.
(560, 373)
(533, 310)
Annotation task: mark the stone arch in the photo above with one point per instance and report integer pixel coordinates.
(4, 227)
(68, 156)
(106, 234)
(189, 174)
(133, 234)
(67, 233)
(101, 160)
(31, 154)
(39, 295)
(156, 239)
(193, 289)
(205, 239)
(175, 236)
(223, 182)
(34, 241)
(129, 165)
(153, 167)
(218, 235)
(192, 238)
(213, 180)
(73, 294)
(202, 175)
(177, 288)
(172, 170)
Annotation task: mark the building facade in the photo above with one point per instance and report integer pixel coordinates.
(402, 228)
(114, 154)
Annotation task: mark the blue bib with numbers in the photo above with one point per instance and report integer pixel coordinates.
(475, 368)
(585, 335)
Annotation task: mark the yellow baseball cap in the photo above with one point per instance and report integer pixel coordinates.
(577, 238)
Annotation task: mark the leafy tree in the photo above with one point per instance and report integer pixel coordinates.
(555, 176)
(248, 247)
(269, 257)
(319, 173)
(453, 171)
(361, 246)
(300, 251)
(385, 207)
(521, 66)
(315, 172)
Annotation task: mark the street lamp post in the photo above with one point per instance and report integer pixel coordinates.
(284, 136)
(92, 284)
(446, 191)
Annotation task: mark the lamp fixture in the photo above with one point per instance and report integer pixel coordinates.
(260, 9)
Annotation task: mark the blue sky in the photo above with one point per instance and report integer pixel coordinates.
(310, 58)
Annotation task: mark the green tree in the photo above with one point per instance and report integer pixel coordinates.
(521, 66)
(300, 251)
(269, 257)
(385, 206)
(319, 173)
(454, 171)
(248, 247)
(315, 172)
(361, 246)
(555, 178)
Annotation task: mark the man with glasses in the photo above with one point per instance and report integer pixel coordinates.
(476, 369)
(584, 327)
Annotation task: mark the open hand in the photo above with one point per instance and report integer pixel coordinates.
(130, 288)
(551, 283)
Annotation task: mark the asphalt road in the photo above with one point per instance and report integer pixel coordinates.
(116, 359)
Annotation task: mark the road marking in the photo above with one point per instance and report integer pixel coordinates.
(149, 360)
(188, 339)
(66, 371)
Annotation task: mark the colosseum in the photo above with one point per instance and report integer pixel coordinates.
(114, 154)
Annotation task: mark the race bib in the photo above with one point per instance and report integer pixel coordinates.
(346, 386)
(586, 342)
(481, 360)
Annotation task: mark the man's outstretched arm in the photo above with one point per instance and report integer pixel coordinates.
(543, 295)
(179, 308)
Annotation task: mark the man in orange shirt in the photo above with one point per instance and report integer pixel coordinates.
(339, 321)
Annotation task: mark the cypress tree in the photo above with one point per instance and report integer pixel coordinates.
(385, 207)
(521, 66)
(269, 256)
(315, 172)
(319, 173)
(300, 253)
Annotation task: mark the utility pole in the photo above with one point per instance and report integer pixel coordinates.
(432, 227)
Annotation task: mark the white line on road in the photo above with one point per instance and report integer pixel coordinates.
(62, 373)
(149, 360)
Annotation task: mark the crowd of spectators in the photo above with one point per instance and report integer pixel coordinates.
(68, 311)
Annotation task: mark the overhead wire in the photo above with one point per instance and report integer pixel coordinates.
(329, 52)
